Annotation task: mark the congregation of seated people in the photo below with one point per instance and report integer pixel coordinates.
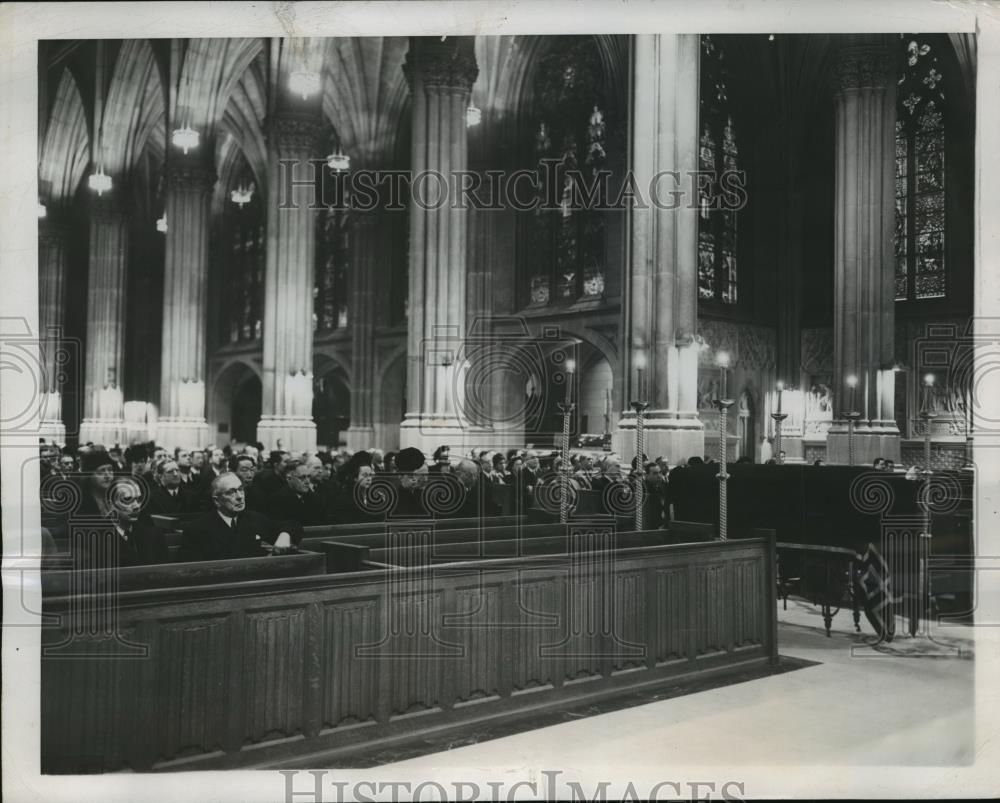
(232, 503)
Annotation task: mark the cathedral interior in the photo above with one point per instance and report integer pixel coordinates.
(684, 252)
(199, 311)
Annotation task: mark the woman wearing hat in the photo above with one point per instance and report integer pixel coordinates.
(97, 475)
(349, 502)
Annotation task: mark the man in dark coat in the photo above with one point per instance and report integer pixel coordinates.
(297, 501)
(271, 478)
(245, 467)
(168, 497)
(126, 540)
(229, 530)
(411, 466)
(189, 478)
(478, 500)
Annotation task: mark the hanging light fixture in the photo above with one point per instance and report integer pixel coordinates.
(473, 115)
(100, 181)
(304, 83)
(42, 211)
(338, 161)
(161, 223)
(242, 195)
(185, 138)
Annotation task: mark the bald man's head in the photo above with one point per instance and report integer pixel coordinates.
(467, 472)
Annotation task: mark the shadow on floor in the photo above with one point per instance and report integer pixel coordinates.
(520, 723)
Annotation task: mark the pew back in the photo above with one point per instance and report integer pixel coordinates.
(349, 673)
(409, 548)
(173, 575)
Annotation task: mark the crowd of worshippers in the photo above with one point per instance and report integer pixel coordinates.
(234, 504)
(278, 496)
(323, 487)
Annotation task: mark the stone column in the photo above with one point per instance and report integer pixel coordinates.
(103, 419)
(441, 75)
(185, 282)
(864, 299)
(53, 238)
(663, 269)
(288, 285)
(366, 236)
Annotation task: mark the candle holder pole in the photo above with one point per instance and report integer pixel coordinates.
(723, 406)
(640, 469)
(564, 469)
(778, 418)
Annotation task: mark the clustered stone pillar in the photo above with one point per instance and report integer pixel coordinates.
(52, 243)
(103, 419)
(365, 243)
(182, 386)
(663, 308)
(864, 300)
(441, 74)
(290, 273)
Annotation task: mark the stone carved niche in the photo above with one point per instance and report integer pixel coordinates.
(750, 348)
(817, 351)
(817, 364)
(818, 405)
(708, 389)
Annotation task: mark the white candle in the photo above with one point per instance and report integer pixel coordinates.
(640, 367)
(723, 361)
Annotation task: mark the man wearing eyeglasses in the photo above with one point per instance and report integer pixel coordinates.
(298, 500)
(229, 530)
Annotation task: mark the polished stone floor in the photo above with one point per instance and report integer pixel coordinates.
(910, 703)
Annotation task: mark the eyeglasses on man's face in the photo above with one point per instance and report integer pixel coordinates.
(231, 492)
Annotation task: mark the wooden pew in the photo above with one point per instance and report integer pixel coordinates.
(172, 575)
(309, 671)
(340, 530)
(378, 540)
(564, 544)
(174, 522)
(407, 548)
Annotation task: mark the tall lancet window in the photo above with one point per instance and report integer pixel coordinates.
(330, 288)
(920, 174)
(565, 254)
(717, 154)
(247, 252)
(332, 264)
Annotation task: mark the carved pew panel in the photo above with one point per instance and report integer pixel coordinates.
(304, 671)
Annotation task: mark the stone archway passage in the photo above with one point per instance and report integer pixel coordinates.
(245, 411)
(331, 409)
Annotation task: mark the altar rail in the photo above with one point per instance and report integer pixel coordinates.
(308, 671)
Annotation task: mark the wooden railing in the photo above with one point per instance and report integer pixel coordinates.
(305, 671)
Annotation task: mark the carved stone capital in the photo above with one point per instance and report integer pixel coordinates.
(443, 66)
(190, 177)
(863, 66)
(296, 135)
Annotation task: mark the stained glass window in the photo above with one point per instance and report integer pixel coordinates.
(245, 223)
(332, 267)
(920, 178)
(565, 254)
(717, 154)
